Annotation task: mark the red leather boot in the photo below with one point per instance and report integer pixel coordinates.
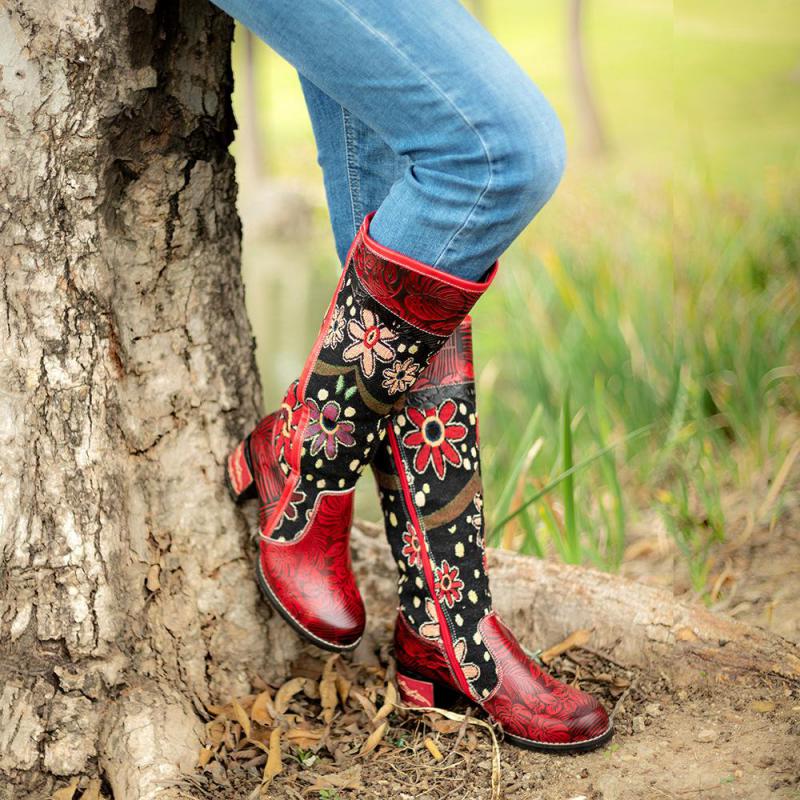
(387, 318)
(447, 638)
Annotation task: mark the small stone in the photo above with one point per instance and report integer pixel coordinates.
(638, 724)
(706, 735)
(652, 709)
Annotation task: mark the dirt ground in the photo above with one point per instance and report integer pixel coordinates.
(669, 743)
(709, 741)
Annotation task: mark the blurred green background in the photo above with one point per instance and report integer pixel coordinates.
(642, 336)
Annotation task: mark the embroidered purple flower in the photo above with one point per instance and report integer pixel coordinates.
(327, 430)
(369, 342)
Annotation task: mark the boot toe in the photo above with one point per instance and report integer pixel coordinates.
(591, 725)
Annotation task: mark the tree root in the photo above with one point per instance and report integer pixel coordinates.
(635, 625)
(149, 740)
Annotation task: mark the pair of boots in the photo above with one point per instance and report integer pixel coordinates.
(389, 383)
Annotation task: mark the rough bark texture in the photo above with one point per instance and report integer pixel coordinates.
(126, 371)
(637, 626)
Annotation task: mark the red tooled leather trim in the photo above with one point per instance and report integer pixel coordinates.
(423, 296)
(444, 628)
(453, 364)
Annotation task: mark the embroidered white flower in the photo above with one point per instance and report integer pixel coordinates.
(370, 339)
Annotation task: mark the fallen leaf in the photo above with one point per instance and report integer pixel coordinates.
(311, 689)
(92, 791)
(575, 639)
(762, 706)
(273, 766)
(285, 694)
(259, 745)
(349, 778)
(364, 702)
(388, 706)
(444, 725)
(327, 689)
(215, 732)
(685, 635)
(343, 687)
(433, 749)
(67, 792)
(241, 717)
(263, 712)
(374, 739)
(304, 737)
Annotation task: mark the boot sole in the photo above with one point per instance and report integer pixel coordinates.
(557, 747)
(444, 697)
(294, 624)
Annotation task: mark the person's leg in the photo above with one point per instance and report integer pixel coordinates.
(358, 167)
(484, 148)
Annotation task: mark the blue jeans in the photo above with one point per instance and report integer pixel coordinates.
(420, 114)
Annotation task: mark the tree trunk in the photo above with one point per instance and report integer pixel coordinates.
(127, 598)
(595, 141)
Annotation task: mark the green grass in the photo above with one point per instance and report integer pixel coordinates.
(646, 358)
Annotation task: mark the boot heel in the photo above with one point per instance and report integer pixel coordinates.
(420, 692)
(239, 474)
(416, 692)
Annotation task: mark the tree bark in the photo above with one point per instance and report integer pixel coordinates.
(126, 372)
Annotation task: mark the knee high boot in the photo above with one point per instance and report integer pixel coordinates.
(447, 637)
(389, 315)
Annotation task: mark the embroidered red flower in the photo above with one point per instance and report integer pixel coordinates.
(434, 436)
(448, 584)
(411, 546)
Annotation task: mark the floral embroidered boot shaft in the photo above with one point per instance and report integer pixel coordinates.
(436, 435)
(388, 317)
(446, 635)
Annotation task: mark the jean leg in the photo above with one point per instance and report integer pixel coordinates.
(358, 167)
(485, 150)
